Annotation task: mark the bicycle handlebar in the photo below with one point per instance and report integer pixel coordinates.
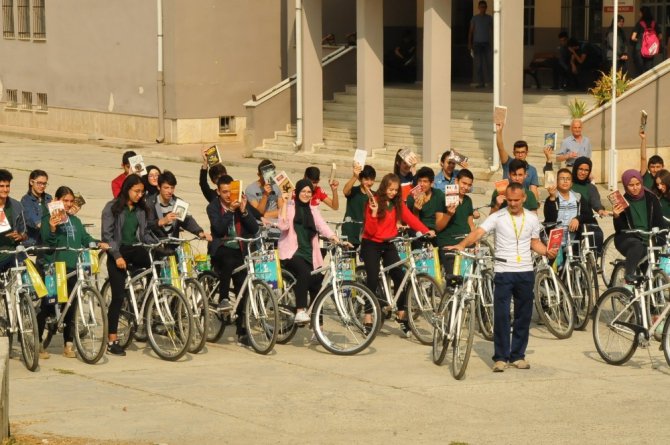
(654, 231)
(473, 256)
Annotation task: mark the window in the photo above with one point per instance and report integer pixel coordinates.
(39, 27)
(529, 22)
(226, 124)
(8, 18)
(11, 99)
(23, 7)
(41, 102)
(27, 100)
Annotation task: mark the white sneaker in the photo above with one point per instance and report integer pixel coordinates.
(301, 317)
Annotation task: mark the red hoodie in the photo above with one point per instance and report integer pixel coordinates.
(383, 229)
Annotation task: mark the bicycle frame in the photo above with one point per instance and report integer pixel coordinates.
(639, 296)
(13, 286)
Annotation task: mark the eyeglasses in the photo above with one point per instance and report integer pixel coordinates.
(153, 175)
(137, 192)
(565, 179)
(42, 184)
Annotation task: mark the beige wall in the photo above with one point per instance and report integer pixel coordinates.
(99, 55)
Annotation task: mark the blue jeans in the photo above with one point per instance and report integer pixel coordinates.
(520, 286)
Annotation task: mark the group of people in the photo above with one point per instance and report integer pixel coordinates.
(142, 210)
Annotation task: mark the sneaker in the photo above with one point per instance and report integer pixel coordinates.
(404, 327)
(301, 317)
(367, 328)
(44, 354)
(115, 348)
(68, 350)
(224, 305)
(243, 340)
(520, 364)
(499, 366)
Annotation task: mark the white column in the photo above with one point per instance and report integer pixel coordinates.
(312, 94)
(511, 69)
(436, 78)
(370, 74)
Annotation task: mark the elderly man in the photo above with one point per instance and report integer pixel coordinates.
(574, 146)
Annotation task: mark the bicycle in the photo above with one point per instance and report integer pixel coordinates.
(160, 309)
(260, 312)
(578, 282)
(17, 313)
(623, 321)
(455, 316)
(552, 299)
(425, 296)
(339, 310)
(90, 317)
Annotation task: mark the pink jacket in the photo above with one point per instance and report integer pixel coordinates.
(288, 240)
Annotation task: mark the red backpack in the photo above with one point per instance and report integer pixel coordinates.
(650, 43)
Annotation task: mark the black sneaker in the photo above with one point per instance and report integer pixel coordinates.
(367, 329)
(243, 340)
(115, 348)
(404, 327)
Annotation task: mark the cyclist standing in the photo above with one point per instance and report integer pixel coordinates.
(12, 221)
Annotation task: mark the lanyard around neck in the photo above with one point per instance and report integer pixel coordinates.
(517, 234)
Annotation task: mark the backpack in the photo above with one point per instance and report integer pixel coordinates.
(650, 43)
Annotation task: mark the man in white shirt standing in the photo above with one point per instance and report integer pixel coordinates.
(517, 233)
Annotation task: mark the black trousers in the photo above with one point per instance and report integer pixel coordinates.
(135, 257)
(48, 309)
(371, 253)
(225, 261)
(633, 249)
(305, 281)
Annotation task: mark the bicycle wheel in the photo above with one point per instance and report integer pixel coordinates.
(485, 305)
(260, 317)
(127, 323)
(608, 260)
(554, 305)
(659, 298)
(617, 277)
(592, 268)
(286, 308)
(440, 329)
(613, 332)
(339, 326)
(665, 340)
(581, 294)
(30, 341)
(197, 299)
(462, 344)
(169, 323)
(215, 323)
(421, 307)
(90, 325)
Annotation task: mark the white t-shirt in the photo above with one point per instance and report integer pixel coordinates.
(506, 240)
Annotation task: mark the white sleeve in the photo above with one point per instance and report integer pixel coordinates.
(490, 222)
(535, 228)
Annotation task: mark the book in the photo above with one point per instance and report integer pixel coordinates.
(4, 222)
(451, 196)
(333, 169)
(360, 156)
(181, 208)
(457, 157)
(617, 198)
(407, 155)
(501, 186)
(500, 114)
(57, 208)
(79, 200)
(137, 165)
(236, 190)
(368, 192)
(416, 192)
(550, 140)
(284, 183)
(268, 172)
(643, 121)
(555, 238)
(213, 155)
(549, 179)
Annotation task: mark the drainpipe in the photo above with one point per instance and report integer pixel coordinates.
(159, 80)
(495, 164)
(298, 64)
(612, 180)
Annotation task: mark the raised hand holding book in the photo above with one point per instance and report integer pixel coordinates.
(550, 140)
(360, 156)
(500, 115)
(213, 156)
(56, 208)
(137, 165)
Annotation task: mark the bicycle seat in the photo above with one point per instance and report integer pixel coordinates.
(454, 280)
(636, 280)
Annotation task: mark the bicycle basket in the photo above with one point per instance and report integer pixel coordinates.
(267, 267)
(427, 260)
(346, 265)
(203, 262)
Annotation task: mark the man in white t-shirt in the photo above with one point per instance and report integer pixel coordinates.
(517, 233)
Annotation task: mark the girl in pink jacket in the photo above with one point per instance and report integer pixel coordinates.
(299, 251)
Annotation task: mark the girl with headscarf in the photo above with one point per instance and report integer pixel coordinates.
(581, 183)
(662, 190)
(299, 251)
(150, 181)
(643, 213)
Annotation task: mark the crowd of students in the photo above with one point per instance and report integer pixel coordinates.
(142, 210)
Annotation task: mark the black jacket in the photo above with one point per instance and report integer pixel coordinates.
(584, 212)
(220, 224)
(654, 219)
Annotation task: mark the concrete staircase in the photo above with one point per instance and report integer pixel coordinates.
(471, 129)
